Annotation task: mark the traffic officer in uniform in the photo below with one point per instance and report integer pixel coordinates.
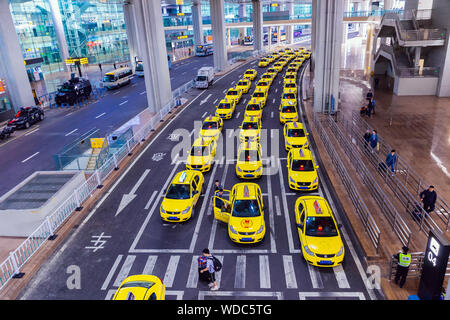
(404, 261)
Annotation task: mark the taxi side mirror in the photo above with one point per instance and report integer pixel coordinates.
(300, 226)
(195, 192)
(317, 167)
(339, 226)
(307, 134)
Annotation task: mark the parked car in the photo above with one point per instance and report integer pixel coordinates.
(6, 132)
(72, 90)
(25, 117)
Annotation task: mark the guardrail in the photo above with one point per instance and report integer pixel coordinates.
(361, 209)
(415, 269)
(410, 203)
(10, 267)
(399, 226)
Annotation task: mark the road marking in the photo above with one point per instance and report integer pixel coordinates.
(116, 92)
(111, 272)
(245, 100)
(233, 82)
(120, 104)
(239, 280)
(125, 270)
(33, 155)
(127, 198)
(289, 272)
(225, 90)
(276, 90)
(273, 246)
(316, 279)
(215, 101)
(271, 114)
(231, 132)
(70, 113)
(100, 115)
(264, 272)
(204, 114)
(206, 99)
(219, 274)
(68, 134)
(341, 277)
(250, 294)
(150, 200)
(238, 114)
(277, 205)
(273, 101)
(150, 265)
(325, 295)
(171, 270)
(142, 92)
(134, 85)
(192, 281)
(192, 132)
(27, 134)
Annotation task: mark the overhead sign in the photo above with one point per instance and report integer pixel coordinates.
(72, 61)
(182, 37)
(97, 143)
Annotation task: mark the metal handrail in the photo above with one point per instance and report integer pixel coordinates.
(405, 173)
(366, 217)
(399, 226)
(415, 268)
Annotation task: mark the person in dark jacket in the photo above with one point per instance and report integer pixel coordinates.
(428, 198)
(369, 95)
(373, 140)
(366, 139)
(391, 160)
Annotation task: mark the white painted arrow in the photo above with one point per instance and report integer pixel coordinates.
(127, 198)
(206, 99)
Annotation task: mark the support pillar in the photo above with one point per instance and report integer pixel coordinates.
(278, 35)
(11, 61)
(218, 33)
(132, 34)
(327, 53)
(148, 19)
(59, 30)
(258, 34)
(197, 23)
(228, 38)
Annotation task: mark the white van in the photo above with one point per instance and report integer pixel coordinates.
(118, 77)
(205, 77)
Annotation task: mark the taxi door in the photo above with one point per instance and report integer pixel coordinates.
(300, 221)
(222, 206)
(194, 189)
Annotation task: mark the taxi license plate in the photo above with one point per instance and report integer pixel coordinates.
(248, 175)
(325, 262)
(173, 218)
(305, 188)
(246, 239)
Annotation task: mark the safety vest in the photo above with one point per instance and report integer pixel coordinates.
(404, 260)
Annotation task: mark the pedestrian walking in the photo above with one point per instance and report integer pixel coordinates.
(369, 108)
(369, 95)
(217, 186)
(404, 261)
(366, 139)
(210, 269)
(373, 140)
(391, 160)
(428, 198)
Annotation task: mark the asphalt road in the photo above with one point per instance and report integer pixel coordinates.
(23, 154)
(106, 247)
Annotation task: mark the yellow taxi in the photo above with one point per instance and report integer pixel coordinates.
(250, 129)
(202, 154)
(288, 112)
(278, 66)
(319, 234)
(181, 196)
(271, 58)
(225, 108)
(299, 60)
(141, 287)
(290, 77)
(243, 212)
(260, 95)
(211, 127)
(272, 71)
(295, 136)
(264, 62)
(302, 171)
(263, 85)
(244, 85)
(288, 97)
(283, 61)
(268, 77)
(253, 109)
(290, 87)
(234, 94)
(250, 74)
(249, 164)
(307, 54)
(294, 65)
(291, 70)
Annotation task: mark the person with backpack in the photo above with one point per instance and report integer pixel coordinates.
(212, 266)
(391, 160)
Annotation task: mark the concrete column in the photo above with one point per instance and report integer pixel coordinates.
(258, 35)
(388, 4)
(417, 53)
(59, 29)
(11, 61)
(148, 16)
(132, 33)
(218, 33)
(228, 38)
(197, 24)
(269, 37)
(327, 52)
(290, 28)
(278, 35)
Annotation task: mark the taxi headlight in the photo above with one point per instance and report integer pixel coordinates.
(308, 251)
(162, 210)
(186, 210)
(238, 169)
(291, 180)
(261, 229)
(232, 230)
(287, 143)
(341, 251)
(259, 169)
(315, 181)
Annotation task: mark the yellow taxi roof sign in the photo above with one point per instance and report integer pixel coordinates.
(317, 207)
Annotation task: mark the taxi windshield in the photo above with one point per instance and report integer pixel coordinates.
(289, 96)
(199, 151)
(232, 93)
(266, 76)
(294, 133)
(138, 284)
(246, 209)
(262, 83)
(271, 70)
(178, 191)
(224, 106)
(209, 125)
(290, 85)
(249, 126)
(248, 72)
(249, 156)
(290, 76)
(242, 83)
(320, 227)
(253, 107)
(258, 94)
(302, 165)
(288, 109)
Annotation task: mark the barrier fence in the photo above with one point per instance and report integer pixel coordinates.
(361, 209)
(415, 269)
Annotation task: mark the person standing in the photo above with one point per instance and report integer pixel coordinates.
(210, 269)
(404, 261)
(391, 160)
(373, 140)
(217, 186)
(428, 198)
(369, 95)
(366, 139)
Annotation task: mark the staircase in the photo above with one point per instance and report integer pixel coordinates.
(92, 163)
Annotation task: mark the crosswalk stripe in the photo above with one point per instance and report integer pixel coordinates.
(219, 274)
(192, 281)
(316, 279)
(111, 272)
(171, 271)
(125, 270)
(277, 205)
(264, 272)
(239, 280)
(341, 277)
(150, 265)
(291, 281)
